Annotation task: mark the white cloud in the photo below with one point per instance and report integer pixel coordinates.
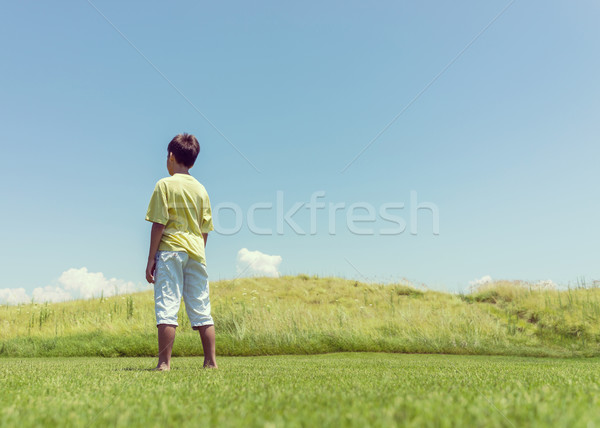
(50, 294)
(72, 284)
(13, 296)
(83, 284)
(481, 281)
(257, 263)
(546, 284)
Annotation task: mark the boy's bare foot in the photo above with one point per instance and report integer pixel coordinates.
(210, 365)
(162, 368)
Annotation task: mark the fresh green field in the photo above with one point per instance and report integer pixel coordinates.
(350, 389)
(310, 315)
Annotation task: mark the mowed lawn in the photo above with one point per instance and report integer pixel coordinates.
(348, 389)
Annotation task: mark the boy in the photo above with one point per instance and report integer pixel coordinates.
(181, 219)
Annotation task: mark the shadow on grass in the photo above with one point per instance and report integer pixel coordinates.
(137, 369)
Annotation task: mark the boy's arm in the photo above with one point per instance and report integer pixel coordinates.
(155, 236)
(205, 236)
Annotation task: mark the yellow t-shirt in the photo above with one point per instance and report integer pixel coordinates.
(181, 203)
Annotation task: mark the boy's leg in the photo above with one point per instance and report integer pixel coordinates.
(166, 337)
(197, 305)
(207, 335)
(167, 297)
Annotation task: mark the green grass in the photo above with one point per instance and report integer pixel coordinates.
(352, 389)
(309, 315)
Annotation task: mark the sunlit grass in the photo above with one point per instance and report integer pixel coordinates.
(303, 315)
(333, 390)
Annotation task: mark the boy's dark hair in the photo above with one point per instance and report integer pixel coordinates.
(185, 148)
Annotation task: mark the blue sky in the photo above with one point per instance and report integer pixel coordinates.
(504, 142)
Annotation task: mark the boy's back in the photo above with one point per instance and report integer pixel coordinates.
(181, 203)
(181, 218)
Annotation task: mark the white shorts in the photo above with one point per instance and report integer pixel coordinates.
(177, 275)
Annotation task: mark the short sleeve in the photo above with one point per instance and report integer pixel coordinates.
(207, 223)
(158, 210)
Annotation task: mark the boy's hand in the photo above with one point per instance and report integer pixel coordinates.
(150, 271)
(155, 237)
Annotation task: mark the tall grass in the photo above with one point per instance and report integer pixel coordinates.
(573, 313)
(303, 315)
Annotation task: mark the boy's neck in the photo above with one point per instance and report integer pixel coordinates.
(181, 170)
(177, 168)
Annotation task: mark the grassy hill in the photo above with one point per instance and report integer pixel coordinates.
(307, 315)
